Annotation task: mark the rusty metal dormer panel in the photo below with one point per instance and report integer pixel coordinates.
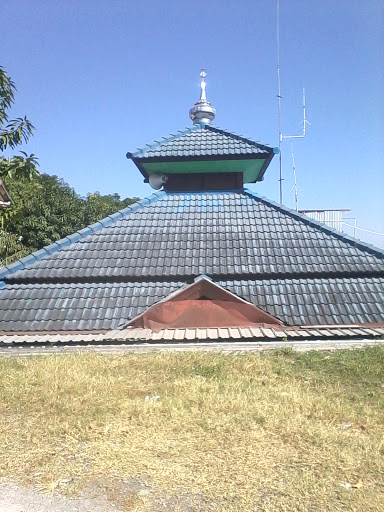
(202, 304)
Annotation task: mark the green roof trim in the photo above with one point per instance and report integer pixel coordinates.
(250, 168)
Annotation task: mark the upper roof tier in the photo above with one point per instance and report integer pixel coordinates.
(206, 149)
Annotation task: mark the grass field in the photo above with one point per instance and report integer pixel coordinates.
(276, 431)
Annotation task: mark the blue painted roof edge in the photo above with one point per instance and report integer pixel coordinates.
(326, 229)
(200, 126)
(78, 235)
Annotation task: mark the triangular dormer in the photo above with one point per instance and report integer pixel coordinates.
(202, 304)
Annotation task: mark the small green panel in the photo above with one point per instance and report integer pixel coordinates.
(250, 168)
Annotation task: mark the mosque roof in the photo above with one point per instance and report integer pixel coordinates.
(283, 262)
(252, 259)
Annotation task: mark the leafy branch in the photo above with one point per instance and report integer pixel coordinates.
(16, 132)
(19, 166)
(13, 133)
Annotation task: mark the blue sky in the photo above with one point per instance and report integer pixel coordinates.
(100, 78)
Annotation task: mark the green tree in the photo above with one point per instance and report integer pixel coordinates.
(46, 209)
(97, 206)
(43, 210)
(13, 133)
(11, 248)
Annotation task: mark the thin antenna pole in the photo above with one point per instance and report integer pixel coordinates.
(295, 183)
(279, 99)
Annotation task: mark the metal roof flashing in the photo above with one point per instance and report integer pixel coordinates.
(204, 304)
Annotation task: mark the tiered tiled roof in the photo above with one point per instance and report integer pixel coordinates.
(205, 143)
(202, 140)
(294, 268)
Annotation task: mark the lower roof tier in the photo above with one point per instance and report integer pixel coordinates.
(291, 267)
(103, 306)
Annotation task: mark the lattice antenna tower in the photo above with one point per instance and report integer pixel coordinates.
(279, 98)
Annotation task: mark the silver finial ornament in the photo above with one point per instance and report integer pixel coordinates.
(202, 111)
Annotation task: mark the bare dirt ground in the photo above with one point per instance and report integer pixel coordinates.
(102, 495)
(14, 498)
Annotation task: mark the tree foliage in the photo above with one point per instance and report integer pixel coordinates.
(97, 206)
(13, 133)
(46, 209)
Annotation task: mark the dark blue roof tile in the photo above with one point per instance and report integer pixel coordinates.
(296, 268)
(201, 140)
(108, 305)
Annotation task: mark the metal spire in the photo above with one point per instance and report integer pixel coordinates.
(202, 111)
(203, 74)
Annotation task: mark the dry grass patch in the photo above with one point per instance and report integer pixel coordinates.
(278, 431)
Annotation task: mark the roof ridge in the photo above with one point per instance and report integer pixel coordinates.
(68, 240)
(187, 278)
(371, 249)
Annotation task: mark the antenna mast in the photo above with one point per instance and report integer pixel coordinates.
(281, 136)
(295, 183)
(279, 98)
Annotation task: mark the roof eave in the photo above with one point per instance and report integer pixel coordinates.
(199, 158)
(137, 162)
(140, 162)
(260, 176)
